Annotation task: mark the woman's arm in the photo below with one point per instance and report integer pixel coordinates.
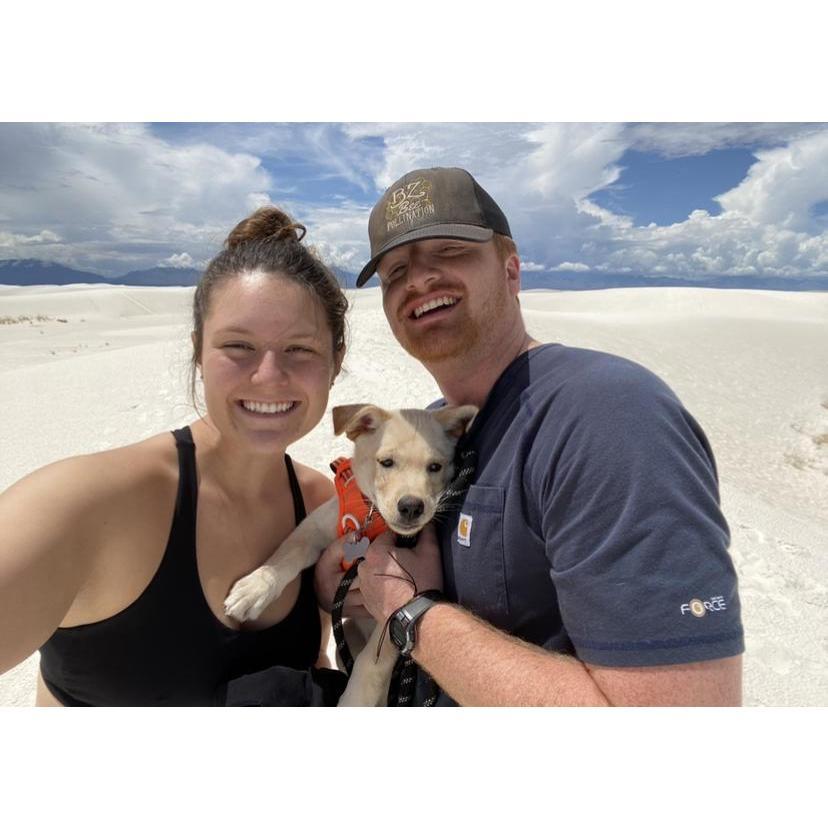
(46, 552)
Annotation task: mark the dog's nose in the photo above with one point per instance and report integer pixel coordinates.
(410, 507)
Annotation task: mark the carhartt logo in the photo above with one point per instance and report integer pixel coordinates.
(700, 608)
(464, 530)
(409, 203)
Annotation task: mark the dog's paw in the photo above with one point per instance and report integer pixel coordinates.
(251, 594)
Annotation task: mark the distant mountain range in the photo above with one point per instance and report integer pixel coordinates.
(36, 272)
(571, 280)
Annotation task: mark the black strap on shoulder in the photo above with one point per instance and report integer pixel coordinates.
(183, 435)
(187, 495)
(299, 511)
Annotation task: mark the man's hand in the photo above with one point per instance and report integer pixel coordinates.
(389, 576)
(327, 577)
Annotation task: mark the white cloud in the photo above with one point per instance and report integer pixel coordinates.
(569, 161)
(256, 200)
(17, 240)
(531, 267)
(783, 185)
(178, 260)
(326, 151)
(766, 227)
(675, 139)
(116, 193)
(728, 244)
(339, 234)
(579, 267)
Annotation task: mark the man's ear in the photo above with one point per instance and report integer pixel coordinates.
(512, 266)
(456, 419)
(361, 418)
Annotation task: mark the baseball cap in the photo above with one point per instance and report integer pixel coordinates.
(434, 203)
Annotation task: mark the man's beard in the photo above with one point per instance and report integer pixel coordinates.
(460, 337)
(445, 344)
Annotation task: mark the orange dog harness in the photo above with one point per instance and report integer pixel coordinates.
(356, 513)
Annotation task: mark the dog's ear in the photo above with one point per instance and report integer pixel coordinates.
(455, 419)
(354, 420)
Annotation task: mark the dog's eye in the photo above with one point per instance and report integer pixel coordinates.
(386, 463)
(434, 467)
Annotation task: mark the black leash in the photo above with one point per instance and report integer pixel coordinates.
(402, 693)
(404, 678)
(466, 465)
(336, 615)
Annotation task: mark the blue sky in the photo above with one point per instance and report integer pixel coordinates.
(659, 199)
(663, 190)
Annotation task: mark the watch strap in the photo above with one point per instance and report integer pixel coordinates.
(433, 594)
(404, 620)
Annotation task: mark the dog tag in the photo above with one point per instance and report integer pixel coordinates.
(354, 549)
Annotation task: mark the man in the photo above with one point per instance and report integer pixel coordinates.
(587, 563)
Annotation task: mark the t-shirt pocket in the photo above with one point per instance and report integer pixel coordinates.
(477, 555)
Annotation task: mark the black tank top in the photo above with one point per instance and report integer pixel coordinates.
(167, 647)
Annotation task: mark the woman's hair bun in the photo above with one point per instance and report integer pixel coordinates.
(266, 223)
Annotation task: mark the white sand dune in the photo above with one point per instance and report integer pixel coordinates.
(750, 366)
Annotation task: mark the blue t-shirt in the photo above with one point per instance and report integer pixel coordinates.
(593, 525)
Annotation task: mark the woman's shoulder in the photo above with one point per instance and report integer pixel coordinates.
(83, 481)
(145, 460)
(316, 487)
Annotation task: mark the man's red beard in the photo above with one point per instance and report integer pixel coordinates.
(461, 335)
(442, 344)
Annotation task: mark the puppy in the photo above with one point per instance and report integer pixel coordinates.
(402, 462)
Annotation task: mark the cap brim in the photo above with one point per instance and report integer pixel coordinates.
(463, 232)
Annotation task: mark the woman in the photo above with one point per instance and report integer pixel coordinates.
(116, 564)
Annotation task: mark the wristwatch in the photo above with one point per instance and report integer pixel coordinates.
(403, 625)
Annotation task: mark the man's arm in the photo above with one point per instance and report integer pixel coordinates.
(479, 665)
